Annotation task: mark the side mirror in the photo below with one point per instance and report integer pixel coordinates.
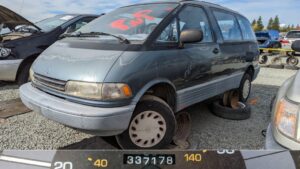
(296, 46)
(191, 36)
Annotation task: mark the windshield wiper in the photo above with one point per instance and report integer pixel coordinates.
(74, 34)
(96, 34)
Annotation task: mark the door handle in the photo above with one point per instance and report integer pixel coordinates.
(216, 51)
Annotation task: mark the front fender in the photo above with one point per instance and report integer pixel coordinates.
(150, 84)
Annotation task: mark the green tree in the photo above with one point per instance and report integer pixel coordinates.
(298, 27)
(270, 24)
(276, 23)
(254, 22)
(260, 25)
(293, 27)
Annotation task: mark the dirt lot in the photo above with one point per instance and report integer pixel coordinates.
(32, 131)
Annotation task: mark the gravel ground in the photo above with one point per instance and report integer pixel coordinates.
(32, 131)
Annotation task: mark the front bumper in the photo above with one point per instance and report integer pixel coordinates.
(270, 143)
(9, 69)
(94, 120)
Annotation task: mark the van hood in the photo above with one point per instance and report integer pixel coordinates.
(293, 92)
(62, 61)
(11, 19)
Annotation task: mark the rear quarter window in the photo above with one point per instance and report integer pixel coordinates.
(228, 25)
(248, 33)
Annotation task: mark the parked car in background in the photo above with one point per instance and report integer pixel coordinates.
(131, 71)
(268, 39)
(291, 37)
(284, 131)
(26, 41)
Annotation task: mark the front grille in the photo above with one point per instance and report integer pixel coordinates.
(43, 81)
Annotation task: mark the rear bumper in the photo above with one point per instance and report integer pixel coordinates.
(94, 120)
(9, 69)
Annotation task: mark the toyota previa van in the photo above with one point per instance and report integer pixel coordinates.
(128, 73)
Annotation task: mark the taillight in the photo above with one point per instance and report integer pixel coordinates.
(285, 41)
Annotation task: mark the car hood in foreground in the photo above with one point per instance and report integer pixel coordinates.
(11, 19)
(65, 62)
(293, 92)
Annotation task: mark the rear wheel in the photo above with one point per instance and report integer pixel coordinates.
(23, 76)
(152, 126)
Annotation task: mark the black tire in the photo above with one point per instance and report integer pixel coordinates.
(263, 59)
(23, 75)
(151, 103)
(246, 79)
(231, 114)
(292, 61)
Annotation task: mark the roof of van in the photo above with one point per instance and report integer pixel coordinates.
(202, 3)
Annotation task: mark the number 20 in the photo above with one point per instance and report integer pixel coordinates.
(63, 165)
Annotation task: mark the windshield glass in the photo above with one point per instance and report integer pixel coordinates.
(294, 34)
(133, 22)
(262, 35)
(49, 24)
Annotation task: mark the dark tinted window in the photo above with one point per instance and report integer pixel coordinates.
(293, 34)
(229, 26)
(195, 18)
(246, 28)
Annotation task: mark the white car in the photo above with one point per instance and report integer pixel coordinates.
(291, 37)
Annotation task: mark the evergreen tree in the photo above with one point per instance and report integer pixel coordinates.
(270, 24)
(260, 24)
(293, 27)
(254, 22)
(276, 23)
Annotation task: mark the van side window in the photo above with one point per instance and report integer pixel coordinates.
(247, 31)
(195, 18)
(229, 26)
(169, 34)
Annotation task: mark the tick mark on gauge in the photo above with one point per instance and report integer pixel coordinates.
(90, 159)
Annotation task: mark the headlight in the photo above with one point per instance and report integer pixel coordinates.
(98, 91)
(286, 118)
(4, 52)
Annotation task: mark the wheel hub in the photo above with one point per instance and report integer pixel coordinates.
(147, 129)
(246, 89)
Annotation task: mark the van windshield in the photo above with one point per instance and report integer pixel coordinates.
(135, 23)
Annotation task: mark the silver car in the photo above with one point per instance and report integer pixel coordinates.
(284, 132)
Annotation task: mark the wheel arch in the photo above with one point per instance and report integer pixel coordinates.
(29, 59)
(250, 70)
(161, 88)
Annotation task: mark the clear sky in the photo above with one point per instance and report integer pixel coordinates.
(34, 10)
